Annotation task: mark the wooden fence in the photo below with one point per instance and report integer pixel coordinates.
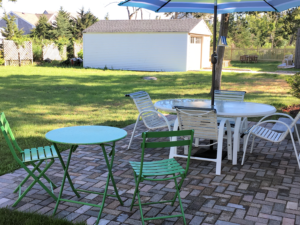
(264, 54)
(17, 56)
(51, 52)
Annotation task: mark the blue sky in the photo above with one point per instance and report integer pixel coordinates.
(99, 7)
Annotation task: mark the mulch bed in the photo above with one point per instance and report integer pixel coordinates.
(292, 109)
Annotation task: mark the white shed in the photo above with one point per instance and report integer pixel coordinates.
(147, 45)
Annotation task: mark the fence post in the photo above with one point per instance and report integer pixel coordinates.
(19, 57)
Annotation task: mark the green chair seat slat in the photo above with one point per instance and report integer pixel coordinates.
(48, 152)
(27, 156)
(41, 153)
(157, 168)
(166, 144)
(54, 153)
(34, 155)
(168, 133)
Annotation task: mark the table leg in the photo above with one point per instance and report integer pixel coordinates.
(110, 176)
(64, 167)
(73, 148)
(173, 150)
(236, 140)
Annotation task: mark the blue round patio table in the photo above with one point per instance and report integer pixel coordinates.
(87, 135)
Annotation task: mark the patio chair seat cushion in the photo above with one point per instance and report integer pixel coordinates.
(158, 168)
(35, 154)
(264, 133)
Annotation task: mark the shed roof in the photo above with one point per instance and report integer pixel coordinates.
(137, 26)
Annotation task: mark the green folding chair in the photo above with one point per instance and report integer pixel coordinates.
(35, 157)
(169, 168)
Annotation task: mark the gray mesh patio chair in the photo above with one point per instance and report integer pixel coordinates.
(236, 96)
(270, 135)
(151, 117)
(205, 126)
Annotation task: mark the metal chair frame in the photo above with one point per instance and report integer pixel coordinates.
(151, 117)
(269, 135)
(205, 126)
(170, 169)
(33, 156)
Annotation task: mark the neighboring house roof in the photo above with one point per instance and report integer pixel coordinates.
(132, 26)
(31, 18)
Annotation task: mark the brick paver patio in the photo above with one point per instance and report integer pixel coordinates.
(264, 191)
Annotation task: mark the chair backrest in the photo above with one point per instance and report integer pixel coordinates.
(237, 96)
(9, 137)
(202, 121)
(144, 103)
(164, 144)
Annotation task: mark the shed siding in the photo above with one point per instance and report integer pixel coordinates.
(136, 51)
(206, 52)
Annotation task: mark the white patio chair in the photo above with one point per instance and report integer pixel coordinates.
(236, 96)
(205, 126)
(288, 59)
(151, 117)
(269, 135)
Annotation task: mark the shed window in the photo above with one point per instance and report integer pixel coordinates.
(195, 40)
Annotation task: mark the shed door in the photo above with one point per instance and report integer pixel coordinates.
(194, 53)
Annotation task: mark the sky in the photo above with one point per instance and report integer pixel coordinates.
(98, 7)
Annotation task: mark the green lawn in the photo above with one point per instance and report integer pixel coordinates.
(38, 99)
(260, 66)
(14, 217)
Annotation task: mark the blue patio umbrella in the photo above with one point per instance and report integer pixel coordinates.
(212, 6)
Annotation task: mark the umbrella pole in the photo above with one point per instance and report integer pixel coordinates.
(214, 56)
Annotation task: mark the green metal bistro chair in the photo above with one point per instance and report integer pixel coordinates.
(34, 156)
(168, 167)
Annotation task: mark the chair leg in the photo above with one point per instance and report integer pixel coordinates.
(140, 205)
(24, 181)
(135, 191)
(219, 157)
(179, 200)
(47, 178)
(245, 147)
(136, 123)
(251, 144)
(295, 149)
(229, 140)
(36, 180)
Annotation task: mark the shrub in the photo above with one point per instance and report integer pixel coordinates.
(294, 82)
(37, 50)
(80, 54)
(2, 61)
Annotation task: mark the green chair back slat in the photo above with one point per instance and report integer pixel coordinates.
(54, 153)
(161, 134)
(27, 155)
(41, 153)
(48, 151)
(165, 144)
(34, 154)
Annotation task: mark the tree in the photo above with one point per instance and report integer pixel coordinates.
(11, 30)
(134, 12)
(42, 29)
(297, 55)
(107, 16)
(83, 21)
(62, 26)
(221, 50)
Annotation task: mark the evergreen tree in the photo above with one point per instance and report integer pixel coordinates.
(83, 21)
(43, 29)
(11, 30)
(62, 25)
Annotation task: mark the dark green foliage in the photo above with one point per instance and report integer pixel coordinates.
(14, 217)
(80, 54)
(11, 30)
(2, 59)
(83, 21)
(62, 26)
(294, 82)
(43, 29)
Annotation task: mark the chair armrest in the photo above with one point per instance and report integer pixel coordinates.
(276, 114)
(159, 113)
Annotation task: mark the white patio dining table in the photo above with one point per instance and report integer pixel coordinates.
(226, 109)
